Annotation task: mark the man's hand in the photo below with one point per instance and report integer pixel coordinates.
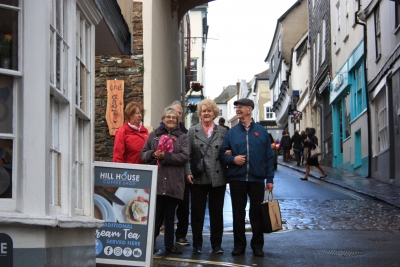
(190, 179)
(269, 187)
(239, 160)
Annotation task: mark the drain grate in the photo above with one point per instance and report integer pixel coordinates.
(342, 253)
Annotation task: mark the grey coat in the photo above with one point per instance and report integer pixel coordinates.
(170, 181)
(215, 171)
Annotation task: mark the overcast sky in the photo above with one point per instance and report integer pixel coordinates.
(244, 29)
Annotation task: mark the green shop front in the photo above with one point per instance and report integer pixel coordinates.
(349, 115)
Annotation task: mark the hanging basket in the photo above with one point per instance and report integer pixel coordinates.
(192, 108)
(196, 87)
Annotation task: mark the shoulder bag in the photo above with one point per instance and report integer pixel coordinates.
(315, 152)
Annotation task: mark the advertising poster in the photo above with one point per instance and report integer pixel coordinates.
(124, 197)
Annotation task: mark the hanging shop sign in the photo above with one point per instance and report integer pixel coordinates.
(125, 198)
(115, 105)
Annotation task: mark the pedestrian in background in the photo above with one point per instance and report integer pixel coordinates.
(170, 148)
(221, 122)
(296, 143)
(285, 145)
(274, 151)
(311, 142)
(249, 164)
(130, 138)
(183, 209)
(205, 140)
(305, 147)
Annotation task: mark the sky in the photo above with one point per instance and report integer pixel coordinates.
(244, 30)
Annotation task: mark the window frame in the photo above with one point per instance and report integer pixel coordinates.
(377, 29)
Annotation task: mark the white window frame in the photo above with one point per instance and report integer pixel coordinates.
(381, 121)
(377, 27)
(9, 204)
(323, 42)
(269, 115)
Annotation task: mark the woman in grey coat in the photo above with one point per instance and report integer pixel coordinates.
(169, 147)
(212, 182)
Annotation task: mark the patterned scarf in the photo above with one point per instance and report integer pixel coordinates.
(165, 144)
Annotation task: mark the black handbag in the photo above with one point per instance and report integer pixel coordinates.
(197, 163)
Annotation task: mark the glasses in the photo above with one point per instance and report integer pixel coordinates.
(170, 117)
(240, 107)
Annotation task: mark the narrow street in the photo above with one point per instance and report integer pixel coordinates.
(324, 225)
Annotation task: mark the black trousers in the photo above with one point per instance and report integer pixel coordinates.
(182, 214)
(216, 197)
(165, 212)
(240, 191)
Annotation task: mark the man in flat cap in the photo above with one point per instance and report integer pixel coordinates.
(249, 162)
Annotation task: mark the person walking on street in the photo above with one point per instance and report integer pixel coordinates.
(285, 145)
(183, 209)
(249, 164)
(274, 151)
(296, 143)
(305, 150)
(205, 141)
(302, 148)
(311, 142)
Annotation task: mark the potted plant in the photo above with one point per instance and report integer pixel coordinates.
(5, 47)
(196, 86)
(192, 107)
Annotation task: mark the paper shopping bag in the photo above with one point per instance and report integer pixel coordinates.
(271, 215)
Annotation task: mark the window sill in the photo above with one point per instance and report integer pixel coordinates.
(50, 221)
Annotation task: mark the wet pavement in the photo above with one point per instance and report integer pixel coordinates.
(367, 186)
(369, 219)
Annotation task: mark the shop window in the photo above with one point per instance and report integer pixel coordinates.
(9, 13)
(359, 102)
(344, 119)
(7, 134)
(377, 21)
(382, 125)
(193, 70)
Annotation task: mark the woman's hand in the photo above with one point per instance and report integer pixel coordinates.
(190, 179)
(228, 153)
(158, 154)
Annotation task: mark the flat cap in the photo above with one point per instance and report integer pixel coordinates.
(244, 101)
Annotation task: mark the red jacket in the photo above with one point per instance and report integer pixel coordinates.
(128, 144)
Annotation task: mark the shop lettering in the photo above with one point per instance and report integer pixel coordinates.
(115, 87)
(131, 235)
(125, 176)
(108, 234)
(3, 249)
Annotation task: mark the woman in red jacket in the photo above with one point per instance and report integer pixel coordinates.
(130, 138)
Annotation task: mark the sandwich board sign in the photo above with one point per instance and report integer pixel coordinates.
(6, 250)
(125, 198)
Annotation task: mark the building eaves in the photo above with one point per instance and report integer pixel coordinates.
(113, 30)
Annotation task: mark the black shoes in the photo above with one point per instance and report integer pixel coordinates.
(160, 253)
(174, 250)
(237, 252)
(258, 252)
(182, 241)
(197, 251)
(218, 250)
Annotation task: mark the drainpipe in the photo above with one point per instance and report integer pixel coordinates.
(359, 20)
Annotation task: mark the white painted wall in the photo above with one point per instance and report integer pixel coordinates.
(163, 68)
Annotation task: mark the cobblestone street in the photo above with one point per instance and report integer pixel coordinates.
(339, 215)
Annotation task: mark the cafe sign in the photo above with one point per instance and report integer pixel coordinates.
(115, 105)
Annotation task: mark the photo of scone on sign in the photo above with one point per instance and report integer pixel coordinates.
(136, 209)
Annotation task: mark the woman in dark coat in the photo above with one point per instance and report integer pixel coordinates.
(311, 143)
(169, 147)
(275, 151)
(295, 141)
(285, 145)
